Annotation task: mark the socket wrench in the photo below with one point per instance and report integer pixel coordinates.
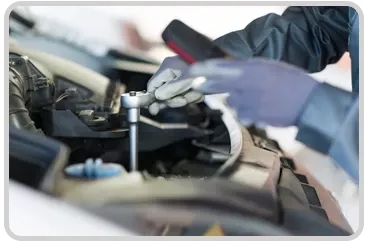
(133, 101)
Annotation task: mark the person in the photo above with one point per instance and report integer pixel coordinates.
(272, 92)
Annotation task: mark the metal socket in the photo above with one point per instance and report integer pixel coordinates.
(137, 99)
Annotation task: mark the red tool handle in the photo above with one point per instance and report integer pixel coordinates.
(191, 45)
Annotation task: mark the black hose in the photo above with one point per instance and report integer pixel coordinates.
(18, 96)
(22, 20)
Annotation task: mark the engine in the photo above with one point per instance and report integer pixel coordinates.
(82, 109)
(69, 137)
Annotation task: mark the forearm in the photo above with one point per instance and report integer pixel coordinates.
(329, 124)
(308, 37)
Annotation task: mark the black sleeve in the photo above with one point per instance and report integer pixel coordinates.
(308, 37)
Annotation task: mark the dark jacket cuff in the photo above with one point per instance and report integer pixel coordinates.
(323, 115)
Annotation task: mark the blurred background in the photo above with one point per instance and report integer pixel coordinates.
(133, 27)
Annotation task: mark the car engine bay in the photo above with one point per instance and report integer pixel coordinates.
(197, 165)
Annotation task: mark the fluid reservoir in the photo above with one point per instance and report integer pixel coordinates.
(94, 181)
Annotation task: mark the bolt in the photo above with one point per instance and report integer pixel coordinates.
(132, 93)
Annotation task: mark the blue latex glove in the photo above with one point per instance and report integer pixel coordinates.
(259, 90)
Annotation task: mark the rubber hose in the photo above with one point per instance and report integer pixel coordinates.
(22, 20)
(18, 96)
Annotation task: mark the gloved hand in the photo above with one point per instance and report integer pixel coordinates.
(259, 90)
(176, 95)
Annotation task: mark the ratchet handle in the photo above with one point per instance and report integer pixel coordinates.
(189, 44)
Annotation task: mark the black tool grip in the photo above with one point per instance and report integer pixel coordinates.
(191, 45)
